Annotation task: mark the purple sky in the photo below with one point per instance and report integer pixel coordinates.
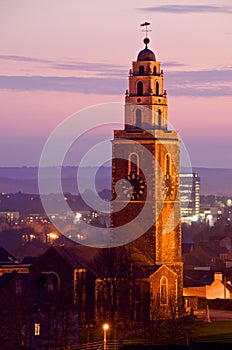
(59, 56)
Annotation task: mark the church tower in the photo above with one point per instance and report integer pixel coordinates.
(145, 176)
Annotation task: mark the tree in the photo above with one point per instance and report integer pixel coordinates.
(113, 268)
(156, 318)
(15, 301)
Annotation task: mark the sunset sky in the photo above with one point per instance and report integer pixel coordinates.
(59, 56)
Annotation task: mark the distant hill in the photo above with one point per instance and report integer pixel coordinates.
(25, 179)
(215, 181)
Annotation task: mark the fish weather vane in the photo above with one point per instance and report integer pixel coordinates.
(146, 24)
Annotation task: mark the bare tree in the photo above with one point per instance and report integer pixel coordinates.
(113, 267)
(15, 304)
(157, 315)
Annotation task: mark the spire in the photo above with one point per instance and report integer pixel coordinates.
(146, 24)
(146, 54)
(146, 30)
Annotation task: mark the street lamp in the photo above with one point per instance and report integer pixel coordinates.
(105, 329)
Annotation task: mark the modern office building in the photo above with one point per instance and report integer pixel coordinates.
(190, 195)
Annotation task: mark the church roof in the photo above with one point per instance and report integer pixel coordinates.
(78, 256)
(146, 54)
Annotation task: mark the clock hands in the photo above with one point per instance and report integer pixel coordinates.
(134, 187)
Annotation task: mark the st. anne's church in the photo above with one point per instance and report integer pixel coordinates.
(145, 178)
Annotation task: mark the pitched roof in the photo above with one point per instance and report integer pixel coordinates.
(196, 278)
(78, 256)
(143, 271)
(6, 257)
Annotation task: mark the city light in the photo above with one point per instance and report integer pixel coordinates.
(106, 326)
(52, 236)
(78, 217)
(105, 329)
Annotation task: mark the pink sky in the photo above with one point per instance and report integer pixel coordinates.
(59, 56)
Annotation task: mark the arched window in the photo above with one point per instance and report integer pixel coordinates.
(154, 70)
(141, 70)
(138, 118)
(133, 163)
(167, 164)
(157, 88)
(159, 118)
(163, 291)
(140, 88)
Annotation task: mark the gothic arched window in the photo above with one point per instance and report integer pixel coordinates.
(138, 118)
(141, 70)
(167, 164)
(140, 88)
(133, 163)
(154, 70)
(159, 118)
(157, 88)
(163, 291)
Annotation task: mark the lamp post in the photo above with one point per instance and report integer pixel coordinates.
(105, 329)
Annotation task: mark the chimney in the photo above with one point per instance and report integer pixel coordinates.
(217, 276)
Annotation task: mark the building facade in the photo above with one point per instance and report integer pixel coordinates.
(190, 195)
(145, 176)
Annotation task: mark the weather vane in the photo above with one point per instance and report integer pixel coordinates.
(145, 24)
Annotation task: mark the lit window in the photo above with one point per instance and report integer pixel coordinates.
(37, 328)
(163, 291)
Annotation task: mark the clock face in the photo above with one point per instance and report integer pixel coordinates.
(168, 187)
(135, 188)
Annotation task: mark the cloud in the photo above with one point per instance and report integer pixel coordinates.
(23, 59)
(92, 66)
(98, 68)
(102, 69)
(173, 64)
(197, 91)
(86, 85)
(184, 9)
(211, 82)
(201, 76)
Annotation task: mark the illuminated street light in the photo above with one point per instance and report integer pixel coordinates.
(105, 329)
